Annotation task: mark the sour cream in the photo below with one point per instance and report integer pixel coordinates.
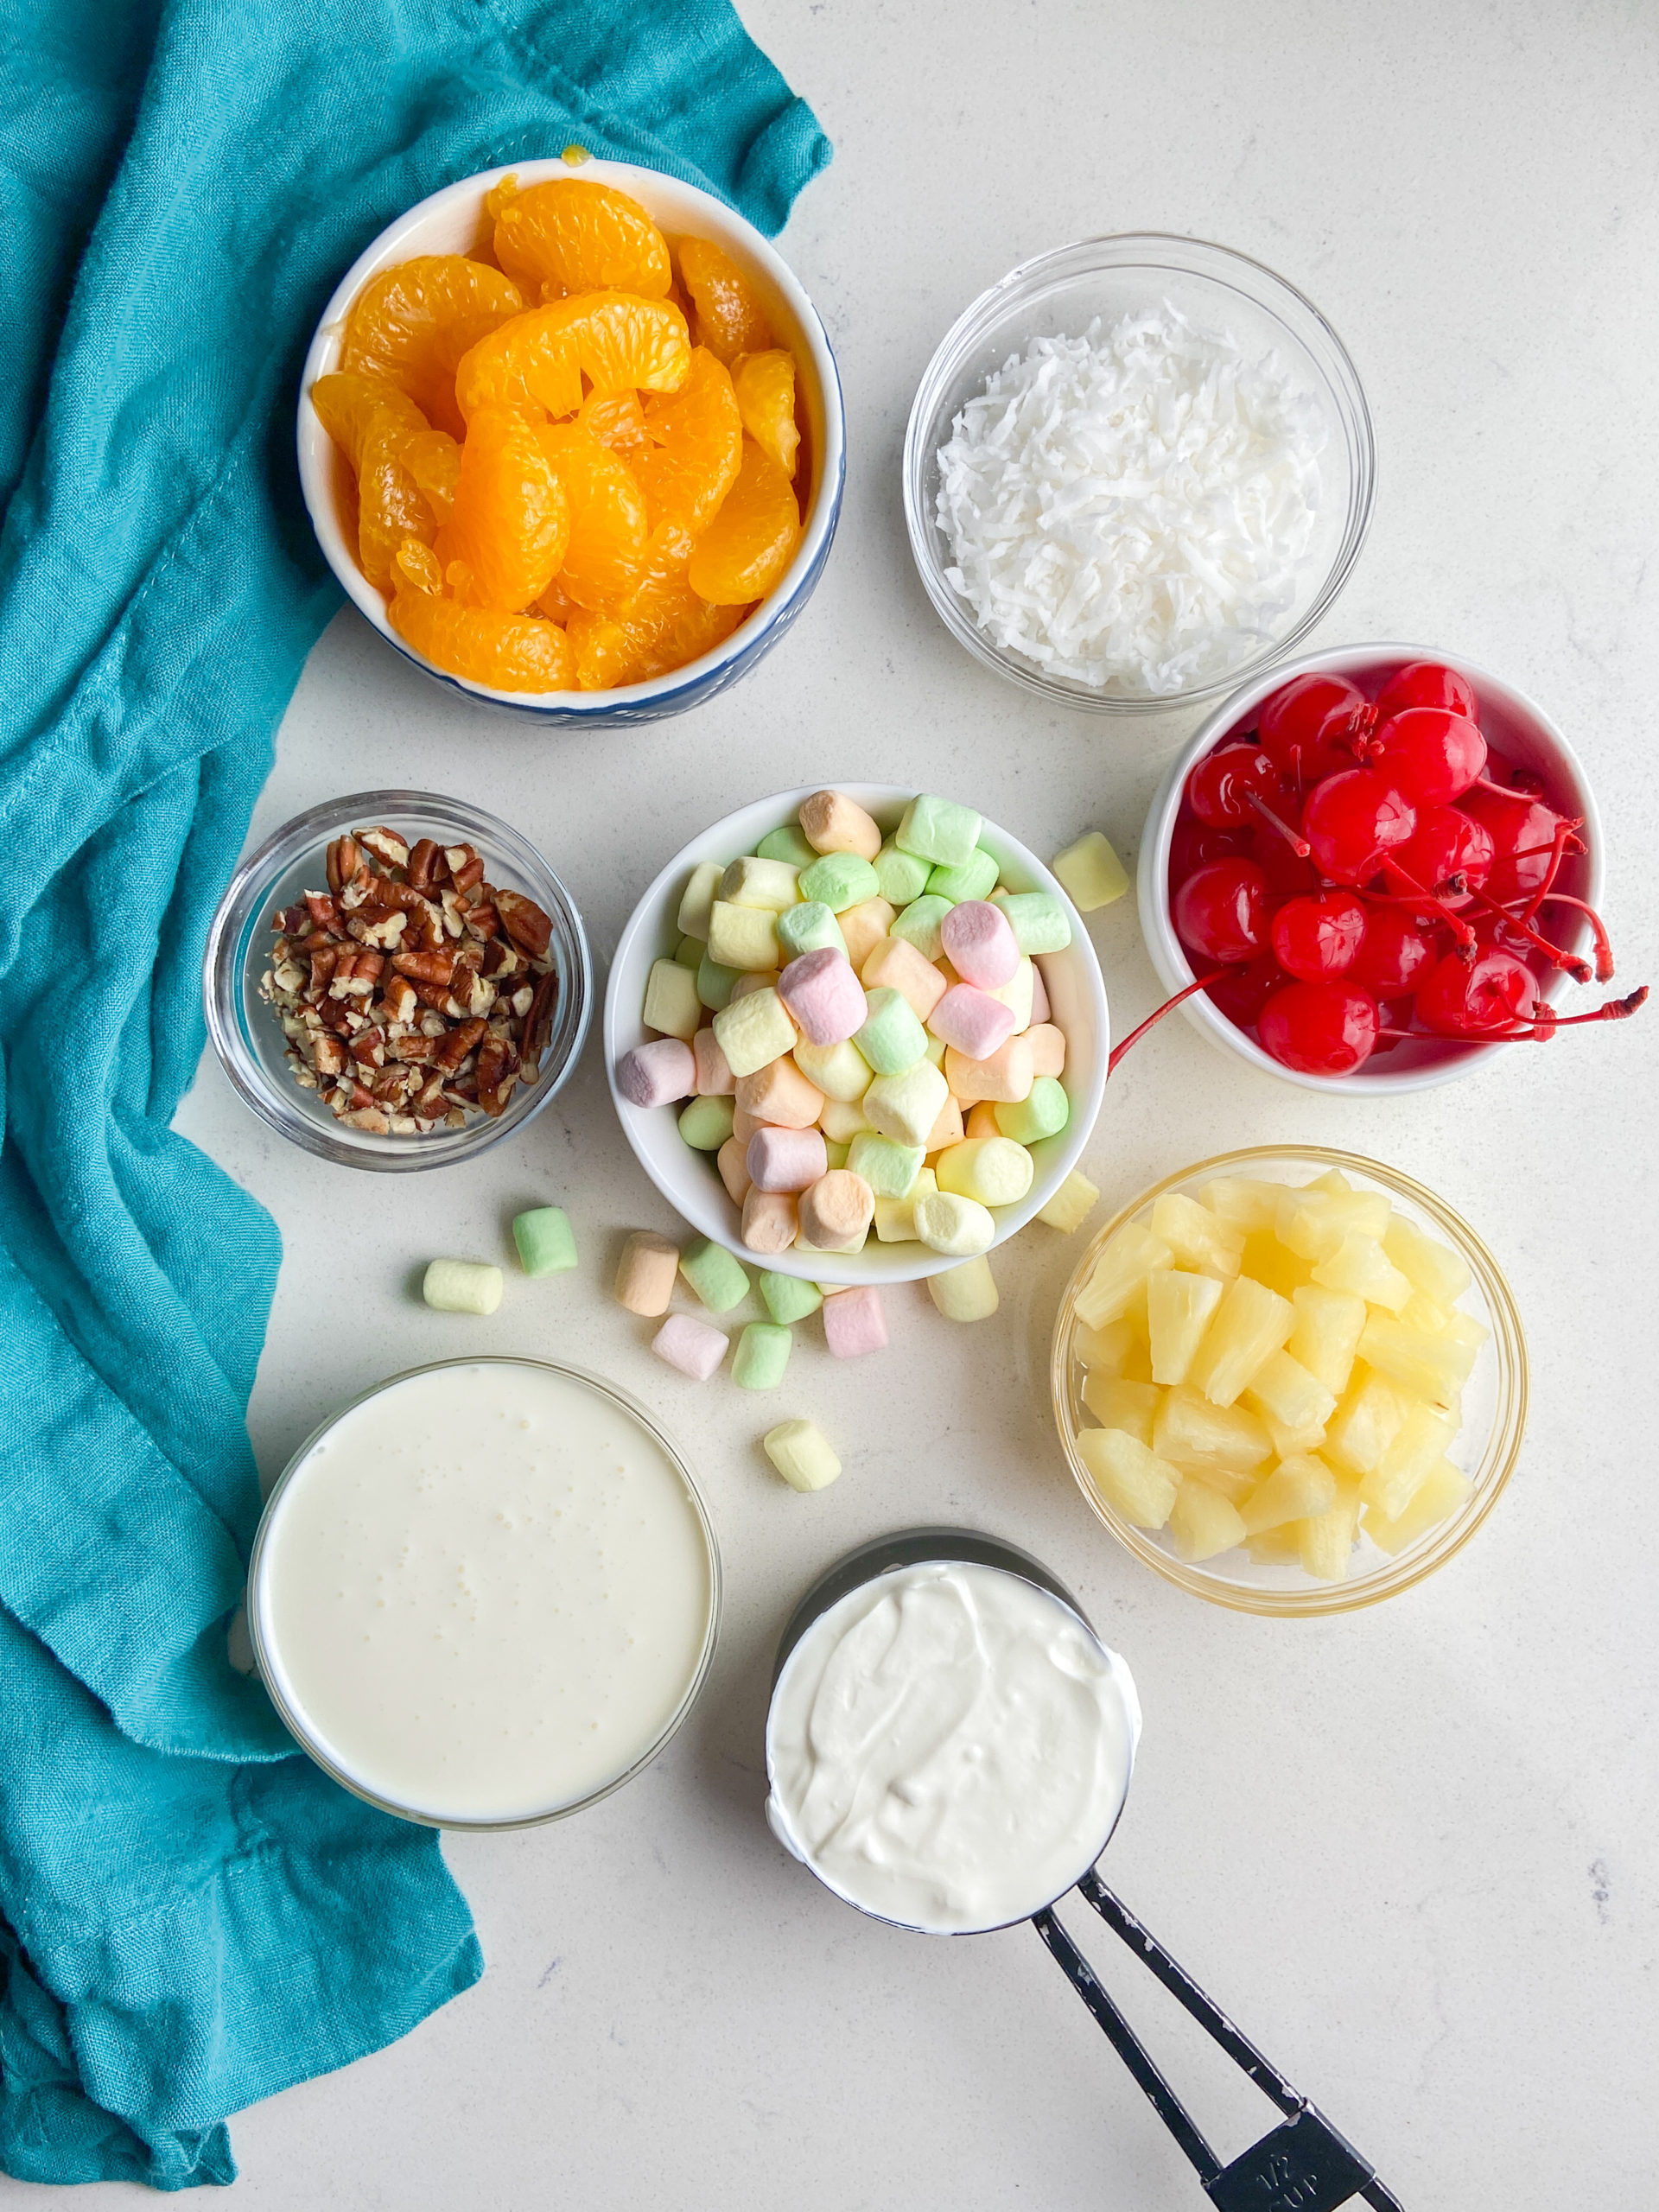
(484, 1593)
(948, 1746)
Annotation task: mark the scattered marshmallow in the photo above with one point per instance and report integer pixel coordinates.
(854, 1323)
(788, 1298)
(964, 1293)
(543, 1240)
(1091, 872)
(718, 1279)
(802, 1454)
(659, 1073)
(645, 1274)
(761, 1357)
(462, 1286)
(695, 1347)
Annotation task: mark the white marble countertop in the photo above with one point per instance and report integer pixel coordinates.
(1412, 1850)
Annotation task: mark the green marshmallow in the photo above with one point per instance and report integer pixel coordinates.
(788, 1298)
(716, 1277)
(810, 927)
(892, 1038)
(762, 1355)
(919, 924)
(834, 1155)
(974, 877)
(716, 984)
(1044, 1112)
(705, 1123)
(841, 880)
(545, 1244)
(902, 876)
(890, 1169)
(939, 830)
(786, 844)
(1038, 921)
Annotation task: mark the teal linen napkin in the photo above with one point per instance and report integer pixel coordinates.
(191, 1915)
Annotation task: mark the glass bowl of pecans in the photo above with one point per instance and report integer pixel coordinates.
(397, 981)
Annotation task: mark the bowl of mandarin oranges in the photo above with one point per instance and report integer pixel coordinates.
(572, 437)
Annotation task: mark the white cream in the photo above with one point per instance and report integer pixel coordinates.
(485, 1592)
(948, 1746)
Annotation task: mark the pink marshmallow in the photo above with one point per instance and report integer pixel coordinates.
(657, 1073)
(979, 944)
(825, 996)
(854, 1323)
(771, 1220)
(971, 1020)
(786, 1159)
(689, 1345)
(715, 1076)
(1039, 1007)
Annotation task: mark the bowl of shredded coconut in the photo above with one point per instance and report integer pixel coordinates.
(1137, 471)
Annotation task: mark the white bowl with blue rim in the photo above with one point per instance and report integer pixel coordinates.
(453, 222)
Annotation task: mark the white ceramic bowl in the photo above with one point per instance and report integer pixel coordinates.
(1516, 726)
(453, 222)
(688, 1179)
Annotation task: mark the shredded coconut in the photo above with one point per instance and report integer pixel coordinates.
(1132, 511)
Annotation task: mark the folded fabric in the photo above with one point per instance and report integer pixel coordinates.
(193, 1915)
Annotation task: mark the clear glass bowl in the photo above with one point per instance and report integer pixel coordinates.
(1060, 293)
(1494, 1401)
(248, 1037)
(268, 1658)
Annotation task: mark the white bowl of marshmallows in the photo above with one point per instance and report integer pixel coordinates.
(857, 1033)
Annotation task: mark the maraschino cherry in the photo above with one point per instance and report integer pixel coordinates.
(1307, 728)
(1433, 756)
(1223, 911)
(1317, 936)
(1426, 683)
(1352, 820)
(1326, 1028)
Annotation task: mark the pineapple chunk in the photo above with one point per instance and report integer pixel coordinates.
(1118, 1404)
(1282, 1390)
(1328, 1538)
(1278, 1547)
(1251, 1324)
(1200, 1239)
(1288, 1443)
(1326, 1334)
(1120, 1274)
(1131, 1479)
(1420, 1311)
(1296, 1489)
(1365, 1423)
(1178, 1307)
(1442, 1490)
(1206, 1440)
(1434, 1367)
(1464, 1329)
(1265, 1260)
(1118, 1349)
(1360, 1264)
(1242, 1202)
(1201, 1523)
(1419, 1447)
(1434, 1268)
(1314, 1221)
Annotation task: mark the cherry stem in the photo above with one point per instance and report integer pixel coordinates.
(1297, 844)
(1604, 945)
(1569, 963)
(1461, 933)
(1557, 853)
(1134, 1036)
(1543, 1026)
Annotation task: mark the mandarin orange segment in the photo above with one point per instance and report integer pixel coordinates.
(750, 543)
(678, 628)
(416, 567)
(579, 237)
(433, 459)
(696, 448)
(346, 404)
(511, 518)
(510, 653)
(765, 384)
(529, 365)
(411, 325)
(616, 418)
(608, 520)
(624, 342)
(390, 504)
(729, 321)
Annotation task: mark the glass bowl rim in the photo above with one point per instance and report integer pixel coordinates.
(1204, 258)
(250, 882)
(1500, 1451)
(309, 1740)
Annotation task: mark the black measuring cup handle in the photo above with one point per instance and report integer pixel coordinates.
(1302, 2166)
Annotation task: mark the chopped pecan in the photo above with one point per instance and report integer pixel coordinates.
(321, 911)
(386, 845)
(425, 966)
(427, 865)
(452, 1049)
(530, 930)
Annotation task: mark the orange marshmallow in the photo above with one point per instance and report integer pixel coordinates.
(770, 1220)
(864, 927)
(947, 1129)
(896, 963)
(836, 1210)
(1047, 1045)
(780, 1094)
(832, 823)
(715, 1076)
(745, 1125)
(1005, 1077)
(758, 979)
(732, 1159)
(982, 1120)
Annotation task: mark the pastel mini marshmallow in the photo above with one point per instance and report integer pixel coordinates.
(890, 1169)
(771, 1222)
(697, 899)
(836, 1211)
(974, 877)
(645, 1274)
(659, 1073)
(895, 964)
(971, 1022)
(706, 1123)
(824, 997)
(715, 984)
(964, 1293)
(902, 876)
(895, 1218)
(979, 1121)
(994, 1170)
(840, 879)
(780, 1094)
(1047, 1044)
(762, 1355)
(671, 1001)
(1040, 1010)
(953, 1225)
(742, 937)
(733, 1162)
(756, 979)
(715, 1076)
(1004, 1076)
(1043, 1113)
(939, 829)
(810, 927)
(786, 843)
(1091, 872)
(1039, 920)
(462, 1286)
(907, 1107)
(980, 945)
(863, 927)
(752, 881)
(834, 1155)
(788, 1297)
(832, 823)
(715, 1273)
(947, 1130)
(854, 1323)
(892, 1038)
(1071, 1205)
(688, 952)
(842, 1120)
(753, 1031)
(785, 1160)
(802, 1454)
(838, 1071)
(694, 1347)
(1018, 994)
(920, 925)
(745, 1125)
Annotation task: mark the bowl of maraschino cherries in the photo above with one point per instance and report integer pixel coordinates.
(1373, 870)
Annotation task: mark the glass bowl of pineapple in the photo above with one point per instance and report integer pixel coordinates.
(1292, 1381)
